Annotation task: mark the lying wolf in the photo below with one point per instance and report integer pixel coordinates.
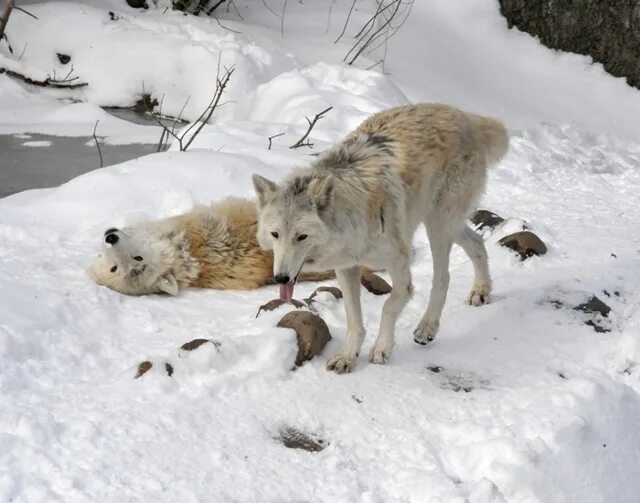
(210, 247)
(360, 202)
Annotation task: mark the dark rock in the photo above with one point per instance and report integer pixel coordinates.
(274, 304)
(63, 58)
(436, 369)
(296, 439)
(169, 368)
(594, 305)
(137, 4)
(374, 283)
(146, 103)
(143, 368)
(486, 218)
(525, 243)
(196, 343)
(311, 331)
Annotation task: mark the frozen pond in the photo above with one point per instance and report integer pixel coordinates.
(35, 161)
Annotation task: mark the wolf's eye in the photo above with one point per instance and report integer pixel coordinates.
(302, 237)
(138, 258)
(275, 235)
(114, 268)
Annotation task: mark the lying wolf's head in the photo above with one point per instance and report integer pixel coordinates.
(133, 264)
(292, 223)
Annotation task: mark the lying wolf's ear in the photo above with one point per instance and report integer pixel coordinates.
(265, 189)
(321, 192)
(167, 283)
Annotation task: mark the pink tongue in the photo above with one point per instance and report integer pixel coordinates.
(286, 291)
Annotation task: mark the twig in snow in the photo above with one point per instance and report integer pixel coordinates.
(48, 82)
(301, 142)
(272, 137)
(97, 143)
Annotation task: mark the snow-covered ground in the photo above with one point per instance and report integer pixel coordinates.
(517, 401)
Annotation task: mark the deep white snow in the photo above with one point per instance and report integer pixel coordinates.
(516, 401)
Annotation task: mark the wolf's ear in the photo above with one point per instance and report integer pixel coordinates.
(264, 189)
(322, 193)
(167, 283)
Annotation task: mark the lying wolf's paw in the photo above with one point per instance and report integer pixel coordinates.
(480, 294)
(426, 331)
(341, 362)
(379, 355)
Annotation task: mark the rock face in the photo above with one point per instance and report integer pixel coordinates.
(526, 243)
(608, 31)
(311, 330)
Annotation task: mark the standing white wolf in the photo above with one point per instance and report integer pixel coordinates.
(360, 202)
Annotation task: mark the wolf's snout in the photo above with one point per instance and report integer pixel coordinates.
(111, 238)
(283, 279)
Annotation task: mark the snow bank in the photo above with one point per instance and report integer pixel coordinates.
(125, 57)
(528, 403)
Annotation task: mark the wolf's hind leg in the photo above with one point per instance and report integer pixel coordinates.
(400, 295)
(440, 241)
(345, 359)
(473, 245)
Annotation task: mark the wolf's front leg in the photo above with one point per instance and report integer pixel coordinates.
(345, 359)
(400, 295)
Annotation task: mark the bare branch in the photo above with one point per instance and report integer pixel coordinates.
(301, 142)
(97, 143)
(215, 6)
(368, 36)
(202, 5)
(284, 9)
(24, 11)
(48, 82)
(344, 28)
(221, 84)
(270, 9)
(272, 137)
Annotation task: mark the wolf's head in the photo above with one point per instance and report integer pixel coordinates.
(133, 264)
(292, 222)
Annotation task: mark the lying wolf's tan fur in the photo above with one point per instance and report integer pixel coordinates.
(209, 247)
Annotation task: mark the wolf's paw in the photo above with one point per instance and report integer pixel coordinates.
(426, 331)
(341, 362)
(480, 294)
(379, 354)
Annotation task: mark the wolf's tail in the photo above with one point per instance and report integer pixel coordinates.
(495, 138)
